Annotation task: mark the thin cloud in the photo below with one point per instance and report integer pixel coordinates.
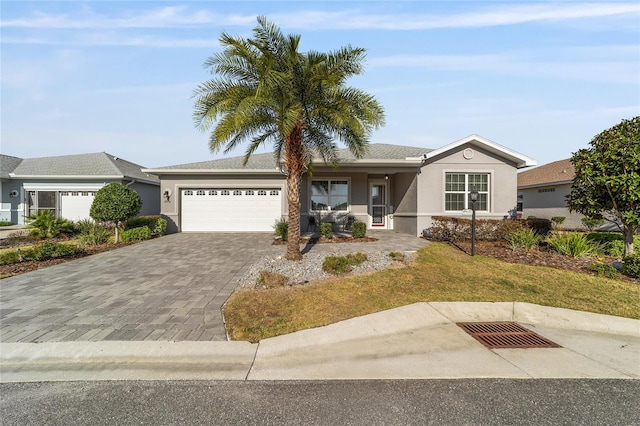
(181, 16)
(594, 64)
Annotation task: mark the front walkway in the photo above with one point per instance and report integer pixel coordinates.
(166, 289)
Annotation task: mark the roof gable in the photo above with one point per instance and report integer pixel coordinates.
(519, 159)
(96, 165)
(561, 171)
(8, 165)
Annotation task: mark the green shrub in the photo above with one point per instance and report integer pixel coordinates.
(136, 234)
(523, 238)
(573, 244)
(5, 223)
(326, 229)
(115, 203)
(612, 243)
(42, 251)
(336, 265)
(47, 225)
(358, 229)
(10, 257)
(615, 248)
(603, 270)
(557, 221)
(591, 223)
(47, 250)
(93, 233)
(156, 224)
(539, 226)
(631, 265)
(355, 259)
(339, 265)
(446, 228)
(281, 229)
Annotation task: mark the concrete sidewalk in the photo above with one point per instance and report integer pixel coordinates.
(412, 342)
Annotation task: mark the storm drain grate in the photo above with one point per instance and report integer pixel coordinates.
(505, 335)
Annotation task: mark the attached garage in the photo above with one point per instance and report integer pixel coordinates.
(230, 209)
(75, 205)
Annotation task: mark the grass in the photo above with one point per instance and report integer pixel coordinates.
(439, 273)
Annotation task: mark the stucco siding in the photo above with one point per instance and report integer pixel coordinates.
(431, 183)
(545, 202)
(150, 195)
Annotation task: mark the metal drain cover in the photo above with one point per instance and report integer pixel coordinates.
(505, 335)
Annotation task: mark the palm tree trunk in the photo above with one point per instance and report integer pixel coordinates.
(295, 166)
(293, 198)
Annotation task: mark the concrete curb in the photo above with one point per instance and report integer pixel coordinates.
(414, 341)
(55, 361)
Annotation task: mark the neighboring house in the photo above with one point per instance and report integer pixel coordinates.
(392, 187)
(66, 185)
(543, 191)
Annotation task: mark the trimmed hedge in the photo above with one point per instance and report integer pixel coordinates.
(42, 251)
(358, 229)
(326, 229)
(156, 224)
(136, 234)
(446, 228)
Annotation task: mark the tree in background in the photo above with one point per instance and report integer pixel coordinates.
(607, 181)
(115, 203)
(268, 92)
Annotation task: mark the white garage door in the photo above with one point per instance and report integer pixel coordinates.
(76, 205)
(230, 210)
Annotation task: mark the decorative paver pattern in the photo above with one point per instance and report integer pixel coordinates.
(166, 289)
(171, 288)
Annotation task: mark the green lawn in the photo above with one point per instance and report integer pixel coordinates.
(440, 273)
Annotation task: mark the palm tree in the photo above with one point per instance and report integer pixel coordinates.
(266, 92)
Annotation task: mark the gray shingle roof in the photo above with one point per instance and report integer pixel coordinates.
(267, 161)
(83, 165)
(8, 164)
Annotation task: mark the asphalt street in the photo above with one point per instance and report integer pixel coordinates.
(388, 402)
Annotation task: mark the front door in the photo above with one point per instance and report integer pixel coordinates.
(378, 205)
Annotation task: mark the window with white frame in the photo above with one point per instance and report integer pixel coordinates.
(329, 195)
(459, 185)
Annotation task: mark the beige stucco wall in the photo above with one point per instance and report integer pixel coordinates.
(503, 184)
(176, 183)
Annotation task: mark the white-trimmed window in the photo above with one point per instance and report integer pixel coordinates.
(458, 186)
(329, 195)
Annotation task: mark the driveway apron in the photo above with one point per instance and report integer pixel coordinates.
(166, 289)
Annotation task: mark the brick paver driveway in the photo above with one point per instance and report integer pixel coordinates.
(171, 288)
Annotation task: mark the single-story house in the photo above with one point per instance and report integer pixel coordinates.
(543, 191)
(392, 187)
(66, 185)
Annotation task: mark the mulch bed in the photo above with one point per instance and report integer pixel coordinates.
(537, 256)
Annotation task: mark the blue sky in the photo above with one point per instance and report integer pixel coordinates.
(541, 78)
